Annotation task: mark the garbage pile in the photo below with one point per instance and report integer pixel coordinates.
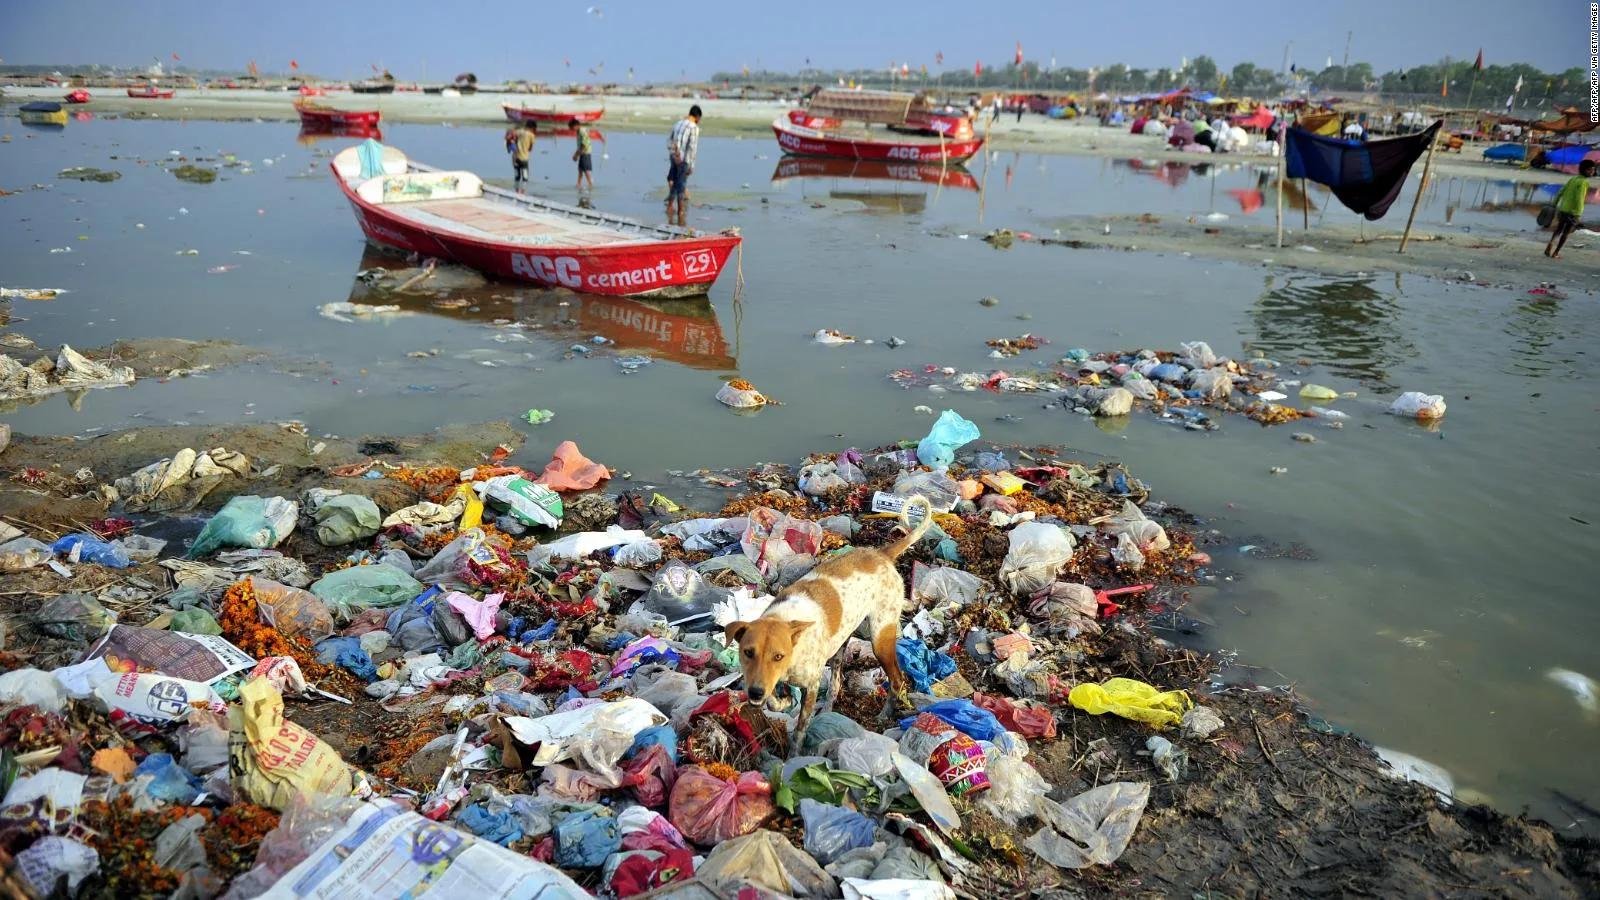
(69, 371)
(529, 685)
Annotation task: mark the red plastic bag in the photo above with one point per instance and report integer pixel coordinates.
(1027, 719)
(651, 775)
(709, 810)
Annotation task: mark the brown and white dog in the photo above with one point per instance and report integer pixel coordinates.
(811, 620)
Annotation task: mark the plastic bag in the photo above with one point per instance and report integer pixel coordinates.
(23, 553)
(1014, 787)
(1100, 823)
(1418, 405)
(1213, 384)
(772, 536)
(922, 665)
(880, 888)
(944, 584)
(195, 620)
(963, 715)
(1031, 720)
(570, 470)
(247, 521)
(140, 548)
(637, 555)
(596, 735)
(580, 545)
(1131, 520)
(940, 490)
(708, 810)
(584, 839)
(32, 687)
(740, 394)
(1318, 392)
(766, 860)
(76, 617)
(1198, 355)
(294, 611)
(825, 729)
(275, 760)
(870, 754)
(818, 479)
(90, 549)
(832, 830)
(1115, 401)
(51, 858)
(929, 792)
(462, 562)
(1038, 551)
(651, 775)
(680, 594)
(346, 519)
(1131, 699)
(949, 434)
(154, 698)
(479, 614)
(526, 501)
(1139, 386)
(349, 591)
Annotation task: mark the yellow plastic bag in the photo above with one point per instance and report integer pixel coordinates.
(472, 517)
(1131, 699)
(275, 760)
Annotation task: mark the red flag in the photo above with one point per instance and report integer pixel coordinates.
(977, 69)
(1479, 64)
(938, 58)
(176, 59)
(294, 64)
(1444, 87)
(1019, 53)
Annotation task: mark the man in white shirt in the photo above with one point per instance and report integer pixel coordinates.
(683, 144)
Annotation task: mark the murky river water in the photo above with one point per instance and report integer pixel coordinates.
(1449, 567)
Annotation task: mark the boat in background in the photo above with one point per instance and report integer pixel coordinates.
(78, 96)
(913, 131)
(43, 112)
(373, 87)
(323, 116)
(804, 167)
(310, 90)
(553, 116)
(454, 216)
(151, 93)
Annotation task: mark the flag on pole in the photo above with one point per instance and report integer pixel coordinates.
(1444, 87)
(175, 58)
(1479, 64)
(977, 69)
(294, 64)
(1518, 88)
(938, 58)
(1019, 53)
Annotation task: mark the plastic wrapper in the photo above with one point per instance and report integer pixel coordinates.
(949, 433)
(768, 861)
(76, 617)
(275, 760)
(247, 521)
(1131, 520)
(51, 859)
(76, 548)
(349, 591)
(772, 536)
(578, 546)
(831, 831)
(709, 810)
(1015, 786)
(929, 793)
(595, 735)
(938, 488)
(1038, 551)
(346, 519)
(1097, 824)
(1213, 384)
(527, 502)
(944, 584)
(1417, 405)
(23, 553)
(294, 611)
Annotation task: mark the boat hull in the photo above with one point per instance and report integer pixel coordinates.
(685, 267)
(553, 116)
(804, 142)
(338, 118)
(150, 95)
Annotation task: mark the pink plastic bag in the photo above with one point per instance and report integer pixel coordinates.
(480, 614)
(709, 810)
(570, 470)
(651, 774)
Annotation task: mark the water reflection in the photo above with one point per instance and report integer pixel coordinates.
(311, 134)
(853, 180)
(685, 331)
(1346, 324)
(1534, 328)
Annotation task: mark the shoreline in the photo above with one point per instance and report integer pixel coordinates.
(724, 118)
(1275, 800)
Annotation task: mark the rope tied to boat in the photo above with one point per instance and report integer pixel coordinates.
(738, 264)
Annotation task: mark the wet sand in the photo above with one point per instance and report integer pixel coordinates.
(1034, 134)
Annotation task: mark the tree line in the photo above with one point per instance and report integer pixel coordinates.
(1452, 81)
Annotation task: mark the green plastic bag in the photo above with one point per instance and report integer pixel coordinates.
(195, 620)
(349, 591)
(247, 521)
(346, 519)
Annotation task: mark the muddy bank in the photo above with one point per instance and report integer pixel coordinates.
(1272, 801)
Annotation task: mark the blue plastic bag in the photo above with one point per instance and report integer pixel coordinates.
(584, 840)
(347, 652)
(501, 827)
(922, 664)
(658, 734)
(965, 716)
(92, 550)
(832, 831)
(173, 783)
(938, 449)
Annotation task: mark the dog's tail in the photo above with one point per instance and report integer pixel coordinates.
(913, 534)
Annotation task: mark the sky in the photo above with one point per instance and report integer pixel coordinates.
(691, 39)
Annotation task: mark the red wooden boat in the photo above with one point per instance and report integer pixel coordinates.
(317, 114)
(311, 90)
(801, 167)
(915, 132)
(151, 93)
(456, 217)
(553, 116)
(78, 96)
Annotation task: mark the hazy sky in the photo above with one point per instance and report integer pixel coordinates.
(662, 41)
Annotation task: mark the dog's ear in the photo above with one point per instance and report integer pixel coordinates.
(735, 631)
(798, 628)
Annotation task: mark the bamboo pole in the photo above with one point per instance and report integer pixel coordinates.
(1416, 201)
(1283, 168)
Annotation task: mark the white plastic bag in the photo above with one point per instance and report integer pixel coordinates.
(591, 733)
(1417, 405)
(1015, 786)
(1130, 520)
(1037, 554)
(1213, 384)
(1198, 355)
(1099, 823)
(818, 479)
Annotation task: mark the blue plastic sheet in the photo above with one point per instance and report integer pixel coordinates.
(922, 664)
(172, 783)
(949, 433)
(965, 716)
(500, 827)
(584, 840)
(662, 735)
(832, 831)
(92, 550)
(347, 652)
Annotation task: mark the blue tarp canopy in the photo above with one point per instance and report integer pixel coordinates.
(1505, 153)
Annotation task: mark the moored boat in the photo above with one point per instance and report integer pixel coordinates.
(914, 131)
(78, 96)
(553, 116)
(151, 93)
(43, 113)
(318, 114)
(454, 216)
(373, 87)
